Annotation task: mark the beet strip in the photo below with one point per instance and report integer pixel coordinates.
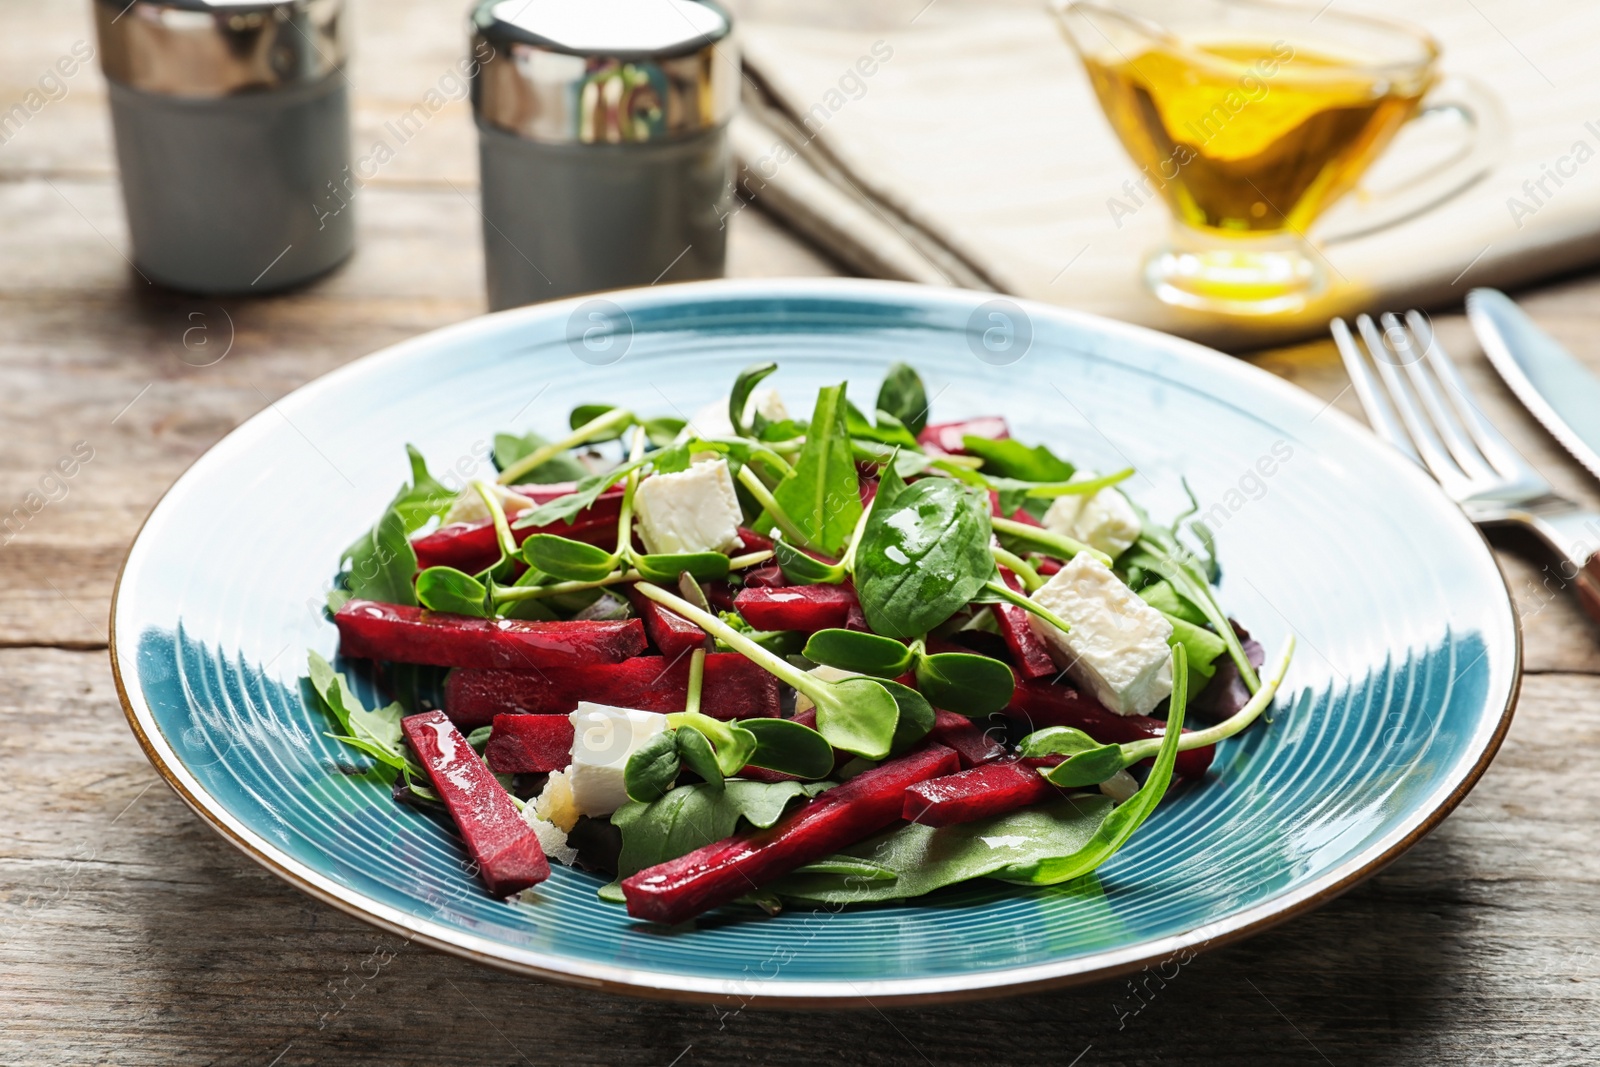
(966, 738)
(723, 871)
(472, 546)
(671, 633)
(945, 437)
(401, 634)
(734, 688)
(806, 608)
(1039, 704)
(529, 744)
(1029, 655)
(977, 793)
(503, 846)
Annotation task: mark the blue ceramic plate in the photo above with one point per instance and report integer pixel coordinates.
(1403, 686)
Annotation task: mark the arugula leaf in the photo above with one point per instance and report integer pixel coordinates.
(509, 448)
(425, 498)
(1161, 596)
(1009, 458)
(380, 564)
(587, 491)
(447, 589)
(889, 431)
(862, 653)
(922, 557)
(903, 396)
(691, 816)
(1202, 645)
(923, 858)
(822, 497)
(739, 398)
(377, 733)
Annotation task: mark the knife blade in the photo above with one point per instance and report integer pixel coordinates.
(1562, 393)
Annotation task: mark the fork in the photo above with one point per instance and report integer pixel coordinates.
(1441, 427)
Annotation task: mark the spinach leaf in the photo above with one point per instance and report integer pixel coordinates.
(691, 816)
(889, 431)
(923, 858)
(447, 589)
(739, 398)
(663, 430)
(652, 768)
(903, 396)
(922, 557)
(1161, 596)
(698, 755)
(509, 448)
(964, 683)
(822, 497)
(862, 653)
(1013, 459)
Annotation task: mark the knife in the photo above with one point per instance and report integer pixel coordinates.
(1562, 393)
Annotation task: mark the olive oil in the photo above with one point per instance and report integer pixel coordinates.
(1251, 138)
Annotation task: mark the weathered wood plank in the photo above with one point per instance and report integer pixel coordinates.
(130, 933)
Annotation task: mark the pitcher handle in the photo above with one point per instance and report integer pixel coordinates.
(1485, 133)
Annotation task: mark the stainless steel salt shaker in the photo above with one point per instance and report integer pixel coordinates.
(602, 132)
(232, 126)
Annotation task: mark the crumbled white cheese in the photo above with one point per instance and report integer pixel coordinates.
(827, 674)
(712, 420)
(603, 738)
(694, 510)
(554, 803)
(551, 837)
(1117, 648)
(469, 506)
(1102, 520)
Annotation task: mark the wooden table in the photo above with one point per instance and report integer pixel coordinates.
(130, 933)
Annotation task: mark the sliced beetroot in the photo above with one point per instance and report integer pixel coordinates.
(723, 871)
(719, 594)
(946, 436)
(806, 608)
(472, 546)
(1038, 704)
(977, 793)
(1029, 655)
(671, 633)
(965, 738)
(503, 846)
(754, 542)
(529, 744)
(401, 634)
(733, 688)
(769, 576)
(868, 489)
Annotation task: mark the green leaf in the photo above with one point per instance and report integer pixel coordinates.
(447, 589)
(1056, 741)
(425, 498)
(1203, 646)
(888, 431)
(568, 559)
(698, 755)
(509, 448)
(588, 490)
(802, 569)
(691, 816)
(915, 717)
(377, 733)
(858, 715)
(849, 865)
(663, 430)
(964, 683)
(380, 564)
(790, 747)
(586, 413)
(652, 768)
(923, 858)
(922, 558)
(666, 567)
(743, 386)
(822, 496)
(892, 480)
(861, 653)
(1118, 826)
(1161, 596)
(1013, 459)
(1087, 768)
(903, 396)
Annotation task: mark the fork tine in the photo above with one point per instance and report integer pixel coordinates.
(1426, 441)
(1461, 447)
(1500, 453)
(1379, 414)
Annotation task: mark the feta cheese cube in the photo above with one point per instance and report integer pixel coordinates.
(603, 738)
(1103, 520)
(469, 506)
(712, 420)
(695, 510)
(1117, 648)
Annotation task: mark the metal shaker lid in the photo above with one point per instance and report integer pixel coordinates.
(603, 71)
(212, 48)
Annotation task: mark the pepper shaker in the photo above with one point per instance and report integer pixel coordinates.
(603, 150)
(232, 126)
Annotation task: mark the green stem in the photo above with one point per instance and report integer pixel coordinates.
(1010, 595)
(1083, 488)
(510, 593)
(538, 457)
(697, 674)
(1135, 751)
(848, 561)
(1020, 567)
(502, 529)
(1056, 544)
(625, 513)
(758, 489)
(774, 665)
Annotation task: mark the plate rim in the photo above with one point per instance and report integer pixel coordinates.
(834, 994)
